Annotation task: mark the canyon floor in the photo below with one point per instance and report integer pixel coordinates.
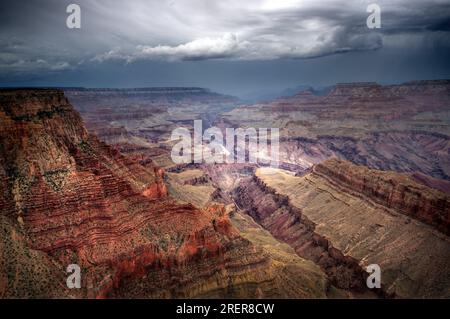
(86, 178)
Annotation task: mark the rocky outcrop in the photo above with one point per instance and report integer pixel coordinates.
(392, 190)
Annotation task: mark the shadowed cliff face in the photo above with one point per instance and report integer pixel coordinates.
(67, 197)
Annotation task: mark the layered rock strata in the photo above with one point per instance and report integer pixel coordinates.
(68, 198)
(345, 227)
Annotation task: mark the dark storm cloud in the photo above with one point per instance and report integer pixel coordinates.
(179, 34)
(196, 30)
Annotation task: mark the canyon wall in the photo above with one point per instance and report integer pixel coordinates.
(392, 190)
(344, 230)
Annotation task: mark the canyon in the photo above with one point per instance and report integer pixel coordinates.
(402, 127)
(344, 229)
(363, 179)
(68, 197)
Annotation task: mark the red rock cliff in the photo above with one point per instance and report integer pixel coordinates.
(74, 199)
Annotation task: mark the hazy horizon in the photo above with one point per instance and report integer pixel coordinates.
(245, 95)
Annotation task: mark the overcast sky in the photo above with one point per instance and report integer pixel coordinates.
(232, 46)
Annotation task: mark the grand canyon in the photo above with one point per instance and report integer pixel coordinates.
(86, 178)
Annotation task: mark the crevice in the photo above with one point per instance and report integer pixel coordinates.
(285, 222)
